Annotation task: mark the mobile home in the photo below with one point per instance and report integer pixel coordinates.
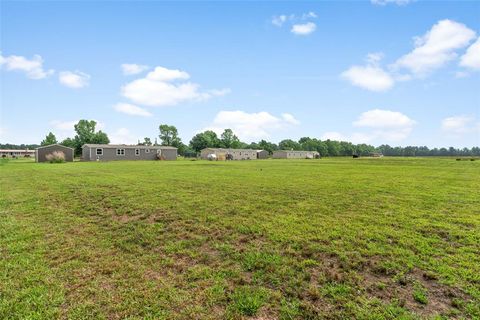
(111, 152)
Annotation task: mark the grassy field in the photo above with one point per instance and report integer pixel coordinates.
(270, 239)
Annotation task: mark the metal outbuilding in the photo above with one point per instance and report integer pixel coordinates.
(41, 153)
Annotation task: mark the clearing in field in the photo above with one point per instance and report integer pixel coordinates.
(272, 239)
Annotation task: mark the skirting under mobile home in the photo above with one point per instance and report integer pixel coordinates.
(41, 153)
(111, 152)
(295, 154)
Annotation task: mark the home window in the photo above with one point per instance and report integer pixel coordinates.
(120, 152)
(137, 152)
(99, 152)
(147, 150)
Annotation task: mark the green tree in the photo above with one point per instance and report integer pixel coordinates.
(333, 148)
(49, 139)
(68, 142)
(229, 139)
(268, 146)
(100, 137)
(289, 144)
(147, 141)
(204, 140)
(169, 135)
(85, 130)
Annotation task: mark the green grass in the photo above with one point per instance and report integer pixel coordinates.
(289, 239)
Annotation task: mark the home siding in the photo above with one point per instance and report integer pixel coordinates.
(243, 154)
(110, 154)
(237, 154)
(294, 154)
(169, 154)
(263, 154)
(279, 155)
(86, 154)
(205, 152)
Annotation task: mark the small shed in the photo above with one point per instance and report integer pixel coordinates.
(41, 153)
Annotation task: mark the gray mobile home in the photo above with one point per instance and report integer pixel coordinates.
(295, 154)
(41, 153)
(110, 152)
(223, 154)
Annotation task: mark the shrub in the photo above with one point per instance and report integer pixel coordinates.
(56, 157)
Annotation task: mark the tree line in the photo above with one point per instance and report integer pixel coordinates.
(168, 136)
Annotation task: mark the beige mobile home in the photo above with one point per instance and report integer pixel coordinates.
(224, 154)
(295, 154)
(110, 152)
(16, 153)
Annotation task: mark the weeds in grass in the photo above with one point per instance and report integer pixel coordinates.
(248, 300)
(420, 294)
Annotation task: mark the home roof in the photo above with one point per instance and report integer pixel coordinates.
(55, 144)
(89, 145)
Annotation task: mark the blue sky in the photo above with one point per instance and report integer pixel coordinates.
(398, 72)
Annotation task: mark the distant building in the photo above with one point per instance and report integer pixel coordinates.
(41, 153)
(228, 154)
(110, 152)
(295, 154)
(376, 154)
(14, 153)
(262, 154)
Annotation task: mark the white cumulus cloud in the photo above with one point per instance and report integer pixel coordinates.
(435, 48)
(33, 68)
(459, 125)
(471, 58)
(251, 126)
(131, 109)
(371, 76)
(164, 74)
(381, 126)
(74, 79)
(378, 118)
(304, 29)
(385, 125)
(289, 118)
(132, 68)
(166, 87)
